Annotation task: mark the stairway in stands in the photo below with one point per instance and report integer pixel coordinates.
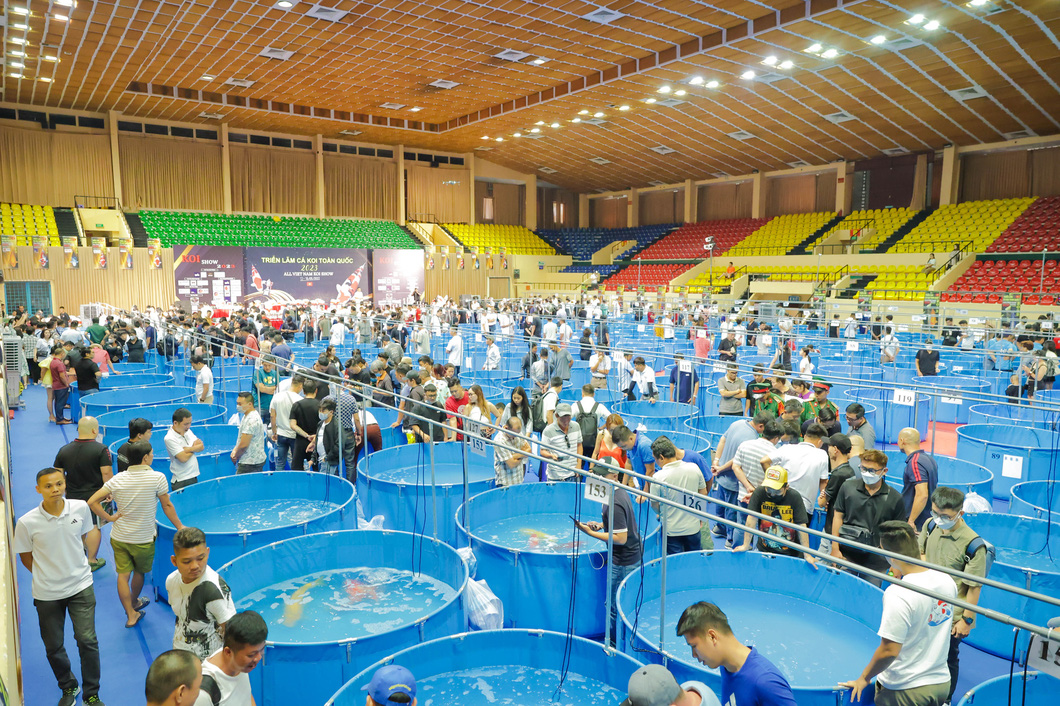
(857, 283)
(906, 228)
(65, 224)
(806, 245)
(136, 227)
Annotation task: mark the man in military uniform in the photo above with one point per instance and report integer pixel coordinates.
(819, 401)
(764, 399)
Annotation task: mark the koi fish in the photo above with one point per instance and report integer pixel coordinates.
(359, 590)
(256, 278)
(292, 611)
(350, 285)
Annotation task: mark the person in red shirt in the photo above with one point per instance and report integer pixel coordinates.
(60, 384)
(458, 397)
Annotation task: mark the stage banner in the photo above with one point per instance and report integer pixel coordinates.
(208, 275)
(396, 274)
(331, 276)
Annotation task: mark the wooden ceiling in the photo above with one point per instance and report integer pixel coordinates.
(169, 61)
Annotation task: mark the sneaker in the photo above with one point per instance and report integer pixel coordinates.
(728, 544)
(69, 697)
(718, 531)
(94, 700)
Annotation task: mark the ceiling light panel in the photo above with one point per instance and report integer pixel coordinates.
(274, 53)
(328, 14)
(599, 160)
(443, 84)
(392, 106)
(602, 15)
(662, 149)
(511, 55)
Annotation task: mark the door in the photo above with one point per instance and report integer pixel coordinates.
(32, 295)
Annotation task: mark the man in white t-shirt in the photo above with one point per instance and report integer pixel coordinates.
(910, 663)
(283, 435)
(48, 540)
(599, 368)
(199, 597)
(549, 331)
(338, 332)
(182, 445)
(203, 380)
(454, 349)
(889, 346)
(137, 493)
(226, 674)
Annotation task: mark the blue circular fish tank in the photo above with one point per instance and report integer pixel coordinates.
(817, 627)
(218, 440)
(335, 602)
(1039, 689)
(525, 543)
(128, 397)
(521, 667)
(957, 473)
(115, 425)
(243, 512)
(1036, 498)
(1010, 414)
(396, 483)
(659, 417)
(891, 416)
(1012, 453)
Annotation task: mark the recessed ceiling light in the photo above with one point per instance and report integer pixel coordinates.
(878, 39)
(16, 64)
(813, 48)
(45, 79)
(538, 61)
(60, 18)
(649, 100)
(65, 3)
(555, 124)
(623, 107)
(977, 3)
(712, 84)
(15, 75)
(829, 54)
(500, 139)
(680, 93)
(52, 59)
(20, 10)
(664, 89)
(770, 61)
(576, 120)
(17, 40)
(583, 112)
(18, 53)
(540, 122)
(916, 19)
(598, 115)
(932, 25)
(747, 75)
(786, 64)
(518, 134)
(535, 129)
(19, 25)
(415, 109)
(285, 4)
(485, 137)
(696, 80)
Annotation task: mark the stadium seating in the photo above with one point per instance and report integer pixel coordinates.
(976, 223)
(686, 243)
(25, 221)
(897, 282)
(1037, 229)
(183, 228)
(650, 275)
(987, 280)
(581, 243)
(604, 271)
(885, 221)
(781, 234)
(517, 240)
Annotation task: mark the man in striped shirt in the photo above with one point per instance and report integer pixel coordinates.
(135, 492)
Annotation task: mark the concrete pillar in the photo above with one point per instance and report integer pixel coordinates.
(844, 188)
(530, 216)
(691, 201)
(115, 158)
(226, 170)
(951, 176)
(583, 210)
(399, 157)
(632, 209)
(920, 184)
(758, 201)
(469, 160)
(318, 152)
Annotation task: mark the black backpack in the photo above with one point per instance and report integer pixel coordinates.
(210, 688)
(537, 411)
(589, 423)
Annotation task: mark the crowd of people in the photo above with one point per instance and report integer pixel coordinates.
(782, 458)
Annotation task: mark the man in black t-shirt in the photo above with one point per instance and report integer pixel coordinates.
(139, 430)
(627, 549)
(727, 348)
(87, 465)
(304, 422)
(88, 375)
(776, 499)
(927, 360)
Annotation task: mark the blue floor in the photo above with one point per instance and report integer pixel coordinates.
(126, 653)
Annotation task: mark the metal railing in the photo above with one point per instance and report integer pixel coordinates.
(85, 201)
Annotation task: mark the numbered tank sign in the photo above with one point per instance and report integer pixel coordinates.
(957, 368)
(701, 333)
(974, 322)
(694, 501)
(685, 366)
(468, 364)
(906, 398)
(952, 400)
(640, 328)
(918, 317)
(1047, 325)
(719, 367)
(1012, 466)
(853, 346)
(597, 490)
(1044, 655)
(478, 338)
(903, 328)
(478, 445)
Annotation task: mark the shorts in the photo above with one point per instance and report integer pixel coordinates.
(132, 557)
(598, 383)
(929, 695)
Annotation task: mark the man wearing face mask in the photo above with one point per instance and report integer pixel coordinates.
(910, 663)
(861, 506)
(927, 360)
(776, 499)
(949, 542)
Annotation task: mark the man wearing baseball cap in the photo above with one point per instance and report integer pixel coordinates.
(392, 684)
(566, 440)
(653, 685)
(776, 499)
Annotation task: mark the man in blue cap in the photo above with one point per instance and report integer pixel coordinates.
(392, 684)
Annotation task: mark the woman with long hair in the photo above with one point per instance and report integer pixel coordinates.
(606, 446)
(479, 409)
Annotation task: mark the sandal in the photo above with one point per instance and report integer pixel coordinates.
(140, 604)
(139, 617)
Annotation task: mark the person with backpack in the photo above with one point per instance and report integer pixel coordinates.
(543, 411)
(949, 542)
(589, 415)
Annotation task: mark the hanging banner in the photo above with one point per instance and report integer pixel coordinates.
(396, 274)
(99, 253)
(621, 289)
(504, 260)
(489, 262)
(10, 252)
(430, 262)
(71, 260)
(333, 276)
(125, 247)
(460, 261)
(209, 275)
(443, 250)
(40, 251)
(445, 262)
(154, 253)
